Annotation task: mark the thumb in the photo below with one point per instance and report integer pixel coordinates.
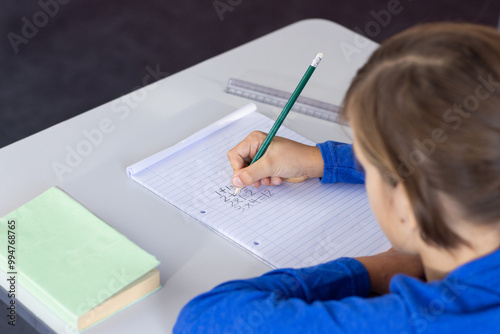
(251, 174)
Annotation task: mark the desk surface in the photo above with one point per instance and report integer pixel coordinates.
(87, 157)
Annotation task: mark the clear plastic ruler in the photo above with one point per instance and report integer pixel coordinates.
(278, 98)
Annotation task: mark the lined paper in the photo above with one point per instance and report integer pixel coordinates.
(291, 225)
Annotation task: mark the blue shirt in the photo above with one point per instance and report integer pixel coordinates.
(334, 297)
(340, 163)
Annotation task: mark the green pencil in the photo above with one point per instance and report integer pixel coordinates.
(286, 110)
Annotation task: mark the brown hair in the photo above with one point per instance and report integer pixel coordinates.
(426, 112)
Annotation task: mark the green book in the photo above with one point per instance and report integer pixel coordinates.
(70, 261)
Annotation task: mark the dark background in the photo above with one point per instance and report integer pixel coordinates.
(93, 51)
(86, 53)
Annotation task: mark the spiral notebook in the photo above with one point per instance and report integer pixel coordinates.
(291, 225)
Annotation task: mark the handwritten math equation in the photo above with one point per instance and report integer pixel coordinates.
(245, 199)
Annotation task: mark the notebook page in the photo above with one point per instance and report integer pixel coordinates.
(151, 160)
(292, 225)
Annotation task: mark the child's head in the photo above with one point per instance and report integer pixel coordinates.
(425, 111)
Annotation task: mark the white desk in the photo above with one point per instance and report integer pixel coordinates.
(193, 258)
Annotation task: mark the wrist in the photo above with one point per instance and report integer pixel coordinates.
(315, 164)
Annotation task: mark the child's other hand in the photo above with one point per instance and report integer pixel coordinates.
(284, 160)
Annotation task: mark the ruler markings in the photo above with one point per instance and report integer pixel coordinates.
(278, 98)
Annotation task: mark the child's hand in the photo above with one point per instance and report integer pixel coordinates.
(284, 160)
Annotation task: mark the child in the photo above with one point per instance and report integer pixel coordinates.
(425, 113)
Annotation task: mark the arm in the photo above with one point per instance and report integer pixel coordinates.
(322, 299)
(280, 301)
(382, 267)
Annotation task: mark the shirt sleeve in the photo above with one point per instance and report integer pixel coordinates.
(282, 301)
(340, 163)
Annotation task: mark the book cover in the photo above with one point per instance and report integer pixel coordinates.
(71, 261)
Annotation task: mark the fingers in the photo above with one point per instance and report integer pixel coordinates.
(284, 160)
(236, 181)
(268, 181)
(271, 181)
(276, 181)
(242, 154)
(260, 172)
(295, 179)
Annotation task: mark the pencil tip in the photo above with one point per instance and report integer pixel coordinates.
(237, 191)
